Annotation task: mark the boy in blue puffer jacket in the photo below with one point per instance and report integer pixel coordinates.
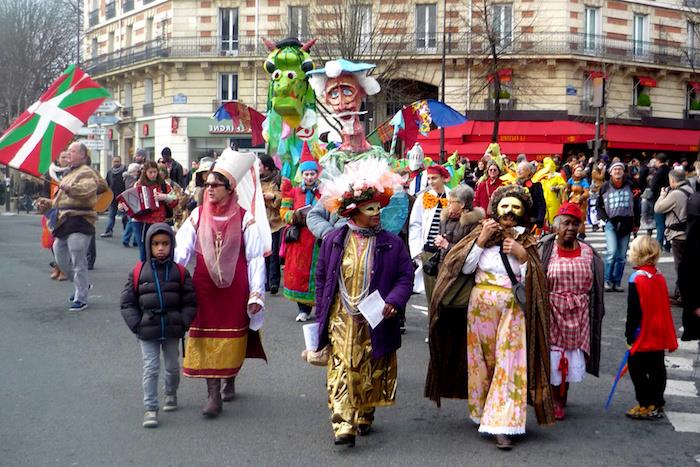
(158, 304)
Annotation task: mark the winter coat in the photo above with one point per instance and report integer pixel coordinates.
(623, 223)
(687, 272)
(673, 203)
(454, 230)
(271, 185)
(596, 304)
(115, 180)
(392, 275)
(163, 304)
(79, 201)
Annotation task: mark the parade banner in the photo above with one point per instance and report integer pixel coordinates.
(48, 125)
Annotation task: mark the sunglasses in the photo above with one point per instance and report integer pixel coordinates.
(213, 185)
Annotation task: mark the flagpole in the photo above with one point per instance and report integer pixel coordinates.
(444, 49)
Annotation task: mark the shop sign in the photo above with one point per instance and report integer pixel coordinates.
(512, 138)
(227, 129)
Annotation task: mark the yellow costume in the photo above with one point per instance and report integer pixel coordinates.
(357, 383)
(553, 186)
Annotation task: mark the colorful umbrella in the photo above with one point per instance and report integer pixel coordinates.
(48, 125)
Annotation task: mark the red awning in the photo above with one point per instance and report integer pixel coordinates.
(695, 85)
(596, 74)
(475, 150)
(646, 81)
(647, 138)
(558, 132)
(505, 75)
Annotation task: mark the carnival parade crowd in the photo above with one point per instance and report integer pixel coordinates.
(516, 296)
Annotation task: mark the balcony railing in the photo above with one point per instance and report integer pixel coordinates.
(127, 5)
(127, 112)
(93, 17)
(110, 10)
(147, 110)
(585, 107)
(408, 45)
(639, 112)
(505, 104)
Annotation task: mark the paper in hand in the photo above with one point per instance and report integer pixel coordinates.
(372, 308)
(311, 336)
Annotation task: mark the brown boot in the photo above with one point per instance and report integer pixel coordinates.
(213, 406)
(55, 272)
(61, 276)
(228, 393)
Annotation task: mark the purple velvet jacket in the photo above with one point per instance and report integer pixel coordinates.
(392, 276)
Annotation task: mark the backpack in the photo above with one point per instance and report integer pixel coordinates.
(137, 274)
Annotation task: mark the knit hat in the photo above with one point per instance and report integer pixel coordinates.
(439, 170)
(307, 160)
(615, 165)
(569, 209)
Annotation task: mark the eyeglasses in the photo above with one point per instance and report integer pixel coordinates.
(213, 185)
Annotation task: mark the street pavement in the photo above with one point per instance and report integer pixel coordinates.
(70, 390)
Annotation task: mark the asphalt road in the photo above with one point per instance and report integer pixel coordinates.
(70, 392)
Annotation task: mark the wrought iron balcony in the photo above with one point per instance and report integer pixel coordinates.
(639, 112)
(505, 104)
(407, 46)
(585, 107)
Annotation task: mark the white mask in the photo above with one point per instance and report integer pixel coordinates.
(415, 157)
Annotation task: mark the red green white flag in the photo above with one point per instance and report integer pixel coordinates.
(48, 125)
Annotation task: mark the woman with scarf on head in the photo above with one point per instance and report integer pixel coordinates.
(575, 277)
(301, 248)
(229, 280)
(356, 261)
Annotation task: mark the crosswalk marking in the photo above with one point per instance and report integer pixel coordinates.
(679, 364)
(685, 422)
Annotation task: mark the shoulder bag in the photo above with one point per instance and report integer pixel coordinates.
(517, 286)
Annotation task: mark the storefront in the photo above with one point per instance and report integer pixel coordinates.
(207, 137)
(146, 137)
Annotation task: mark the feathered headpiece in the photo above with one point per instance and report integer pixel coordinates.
(363, 181)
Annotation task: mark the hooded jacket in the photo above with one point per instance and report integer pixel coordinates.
(163, 304)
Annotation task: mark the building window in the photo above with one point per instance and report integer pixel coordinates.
(592, 28)
(149, 29)
(128, 99)
(110, 10)
(426, 26)
(502, 24)
(228, 86)
(228, 24)
(692, 105)
(299, 22)
(641, 91)
(110, 42)
(128, 35)
(127, 5)
(94, 48)
(693, 52)
(362, 27)
(148, 91)
(640, 34)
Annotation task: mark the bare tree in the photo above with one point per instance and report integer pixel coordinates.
(494, 33)
(39, 39)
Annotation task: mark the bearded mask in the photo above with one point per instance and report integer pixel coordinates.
(510, 212)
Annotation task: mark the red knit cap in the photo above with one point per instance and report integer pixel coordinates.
(436, 169)
(570, 209)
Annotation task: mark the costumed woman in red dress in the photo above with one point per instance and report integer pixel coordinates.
(301, 250)
(229, 280)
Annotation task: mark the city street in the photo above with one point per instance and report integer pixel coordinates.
(70, 390)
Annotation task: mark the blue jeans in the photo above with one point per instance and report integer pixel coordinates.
(660, 220)
(617, 252)
(150, 351)
(113, 211)
(140, 230)
(129, 233)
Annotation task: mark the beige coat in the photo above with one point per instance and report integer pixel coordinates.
(84, 186)
(673, 203)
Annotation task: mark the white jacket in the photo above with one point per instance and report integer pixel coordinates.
(419, 223)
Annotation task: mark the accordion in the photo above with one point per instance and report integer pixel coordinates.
(139, 200)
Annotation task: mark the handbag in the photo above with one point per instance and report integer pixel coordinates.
(518, 287)
(291, 233)
(459, 293)
(430, 267)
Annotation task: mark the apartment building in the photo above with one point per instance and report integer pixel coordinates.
(170, 63)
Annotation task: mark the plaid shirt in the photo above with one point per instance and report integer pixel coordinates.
(570, 280)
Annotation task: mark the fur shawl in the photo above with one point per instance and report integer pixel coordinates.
(447, 367)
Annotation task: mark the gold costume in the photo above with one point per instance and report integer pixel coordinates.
(357, 383)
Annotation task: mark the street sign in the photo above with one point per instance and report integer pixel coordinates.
(104, 120)
(93, 144)
(108, 107)
(179, 98)
(91, 131)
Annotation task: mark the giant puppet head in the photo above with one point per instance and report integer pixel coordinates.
(291, 104)
(415, 157)
(342, 85)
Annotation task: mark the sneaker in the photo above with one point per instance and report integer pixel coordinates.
(170, 403)
(106, 235)
(634, 412)
(77, 306)
(608, 287)
(654, 412)
(126, 245)
(150, 419)
(618, 288)
(302, 317)
(72, 296)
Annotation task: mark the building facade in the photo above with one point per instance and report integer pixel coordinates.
(170, 63)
